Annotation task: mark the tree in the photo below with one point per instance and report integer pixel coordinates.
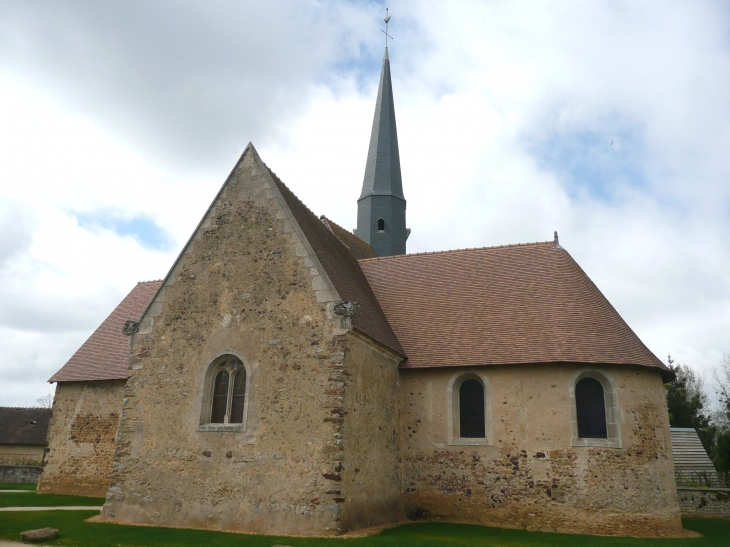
(45, 402)
(722, 450)
(686, 400)
(722, 377)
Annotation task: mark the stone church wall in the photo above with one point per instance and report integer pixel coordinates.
(370, 487)
(531, 477)
(82, 438)
(243, 287)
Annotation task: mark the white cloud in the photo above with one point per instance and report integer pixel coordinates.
(506, 112)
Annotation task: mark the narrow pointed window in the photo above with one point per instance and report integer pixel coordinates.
(220, 397)
(471, 409)
(225, 397)
(591, 409)
(381, 225)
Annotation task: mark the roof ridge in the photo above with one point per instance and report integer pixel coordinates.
(465, 249)
(271, 172)
(328, 220)
(150, 281)
(25, 407)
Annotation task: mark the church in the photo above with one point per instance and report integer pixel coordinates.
(290, 377)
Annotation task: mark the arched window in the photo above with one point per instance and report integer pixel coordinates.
(470, 409)
(591, 409)
(381, 225)
(595, 413)
(225, 400)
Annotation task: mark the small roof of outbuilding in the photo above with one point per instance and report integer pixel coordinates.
(105, 354)
(688, 453)
(24, 425)
(515, 304)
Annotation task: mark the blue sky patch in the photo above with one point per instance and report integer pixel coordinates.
(143, 229)
(596, 161)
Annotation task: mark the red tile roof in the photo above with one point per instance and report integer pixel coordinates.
(105, 355)
(516, 304)
(343, 270)
(357, 246)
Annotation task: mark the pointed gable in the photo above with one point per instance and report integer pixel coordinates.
(502, 305)
(105, 354)
(341, 278)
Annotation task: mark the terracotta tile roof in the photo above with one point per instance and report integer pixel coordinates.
(24, 425)
(343, 270)
(105, 355)
(503, 305)
(357, 246)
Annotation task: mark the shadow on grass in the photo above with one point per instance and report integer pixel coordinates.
(74, 531)
(29, 487)
(32, 499)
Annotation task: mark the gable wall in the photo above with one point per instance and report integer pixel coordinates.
(531, 477)
(82, 438)
(247, 285)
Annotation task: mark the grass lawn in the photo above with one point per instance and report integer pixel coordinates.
(30, 487)
(32, 499)
(73, 531)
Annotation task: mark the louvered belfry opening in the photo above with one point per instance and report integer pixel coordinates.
(591, 409)
(471, 410)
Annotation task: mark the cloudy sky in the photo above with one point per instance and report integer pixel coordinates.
(606, 121)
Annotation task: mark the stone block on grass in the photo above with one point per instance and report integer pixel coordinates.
(41, 534)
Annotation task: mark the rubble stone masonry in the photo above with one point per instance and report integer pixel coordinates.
(370, 486)
(531, 477)
(705, 502)
(82, 438)
(248, 285)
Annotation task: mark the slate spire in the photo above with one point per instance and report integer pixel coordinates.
(381, 209)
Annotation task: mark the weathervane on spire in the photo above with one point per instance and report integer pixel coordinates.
(387, 19)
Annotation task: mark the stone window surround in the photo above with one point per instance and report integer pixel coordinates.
(452, 401)
(207, 399)
(610, 400)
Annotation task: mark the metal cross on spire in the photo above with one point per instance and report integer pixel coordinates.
(387, 19)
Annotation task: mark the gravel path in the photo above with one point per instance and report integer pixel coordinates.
(64, 508)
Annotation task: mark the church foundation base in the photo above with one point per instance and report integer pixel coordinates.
(228, 520)
(556, 519)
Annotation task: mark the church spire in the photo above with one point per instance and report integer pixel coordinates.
(381, 209)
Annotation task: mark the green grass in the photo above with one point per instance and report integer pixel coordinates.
(73, 531)
(13, 499)
(30, 487)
